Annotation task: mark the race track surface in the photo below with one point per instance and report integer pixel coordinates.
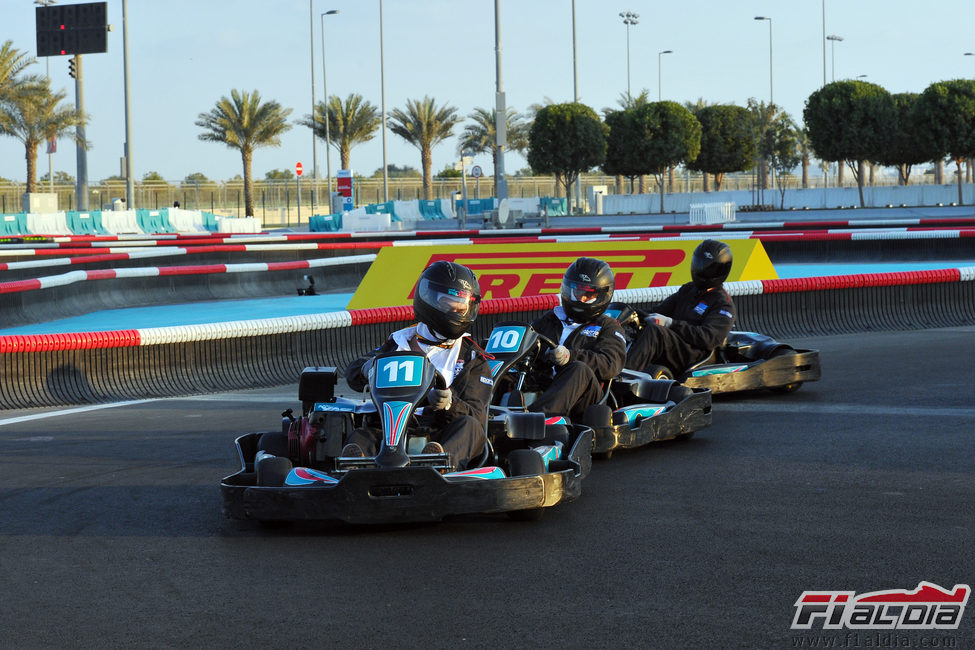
(111, 533)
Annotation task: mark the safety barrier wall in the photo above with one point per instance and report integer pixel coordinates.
(59, 369)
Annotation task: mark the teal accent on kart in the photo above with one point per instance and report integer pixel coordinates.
(495, 366)
(309, 476)
(505, 339)
(718, 370)
(549, 453)
(635, 413)
(556, 419)
(395, 419)
(482, 473)
(334, 407)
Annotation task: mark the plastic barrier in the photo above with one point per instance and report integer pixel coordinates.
(238, 224)
(553, 207)
(407, 211)
(325, 223)
(55, 223)
(187, 221)
(120, 222)
(360, 220)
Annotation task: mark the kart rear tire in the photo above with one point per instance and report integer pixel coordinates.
(657, 371)
(788, 388)
(525, 462)
(272, 471)
(274, 443)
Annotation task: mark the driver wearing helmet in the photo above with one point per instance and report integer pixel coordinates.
(591, 346)
(445, 304)
(692, 322)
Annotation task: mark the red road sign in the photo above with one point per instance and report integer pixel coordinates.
(298, 168)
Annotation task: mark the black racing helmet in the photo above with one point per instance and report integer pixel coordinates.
(710, 264)
(447, 298)
(587, 289)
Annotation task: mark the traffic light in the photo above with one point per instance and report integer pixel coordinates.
(73, 67)
(72, 29)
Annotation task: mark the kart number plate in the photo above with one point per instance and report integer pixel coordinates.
(505, 339)
(399, 372)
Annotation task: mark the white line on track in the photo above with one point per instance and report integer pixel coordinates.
(80, 409)
(845, 409)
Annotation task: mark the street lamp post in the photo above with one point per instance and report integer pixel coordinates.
(771, 97)
(382, 95)
(629, 18)
(833, 38)
(659, 56)
(328, 139)
(314, 138)
(824, 42)
(47, 61)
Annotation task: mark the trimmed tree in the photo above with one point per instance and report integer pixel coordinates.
(566, 140)
(243, 123)
(946, 118)
(727, 144)
(351, 122)
(666, 134)
(906, 144)
(849, 120)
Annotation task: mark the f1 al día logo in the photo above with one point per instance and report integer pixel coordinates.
(929, 607)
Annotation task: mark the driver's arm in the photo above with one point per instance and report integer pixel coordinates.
(607, 355)
(471, 391)
(354, 375)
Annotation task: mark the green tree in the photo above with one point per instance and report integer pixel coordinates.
(906, 144)
(59, 177)
(785, 153)
(946, 114)
(449, 172)
(848, 120)
(195, 177)
(621, 146)
(566, 140)
(279, 175)
(480, 137)
(154, 177)
(727, 142)
(32, 113)
(12, 63)
(243, 123)
(349, 123)
(397, 171)
(424, 125)
(666, 134)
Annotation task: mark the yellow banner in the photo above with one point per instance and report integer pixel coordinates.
(514, 270)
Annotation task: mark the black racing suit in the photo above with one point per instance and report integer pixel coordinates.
(460, 428)
(701, 322)
(596, 353)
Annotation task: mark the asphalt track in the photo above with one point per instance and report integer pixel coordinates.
(111, 532)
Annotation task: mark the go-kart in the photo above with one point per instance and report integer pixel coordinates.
(636, 410)
(298, 473)
(746, 361)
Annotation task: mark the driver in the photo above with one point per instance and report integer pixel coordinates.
(591, 346)
(445, 303)
(692, 322)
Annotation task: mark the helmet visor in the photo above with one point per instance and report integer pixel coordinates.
(580, 292)
(449, 300)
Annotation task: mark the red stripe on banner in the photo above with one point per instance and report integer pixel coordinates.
(20, 285)
(192, 270)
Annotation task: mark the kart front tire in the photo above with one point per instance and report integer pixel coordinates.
(272, 471)
(657, 371)
(525, 462)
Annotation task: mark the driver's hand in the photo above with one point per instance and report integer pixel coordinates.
(660, 319)
(366, 366)
(559, 355)
(439, 398)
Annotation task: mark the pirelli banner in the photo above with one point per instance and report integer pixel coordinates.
(530, 269)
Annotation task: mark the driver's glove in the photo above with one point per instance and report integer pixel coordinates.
(659, 319)
(439, 398)
(559, 355)
(366, 366)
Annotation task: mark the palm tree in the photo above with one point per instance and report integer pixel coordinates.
(12, 63)
(481, 136)
(244, 123)
(33, 114)
(350, 123)
(424, 125)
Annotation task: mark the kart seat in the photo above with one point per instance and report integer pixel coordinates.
(643, 387)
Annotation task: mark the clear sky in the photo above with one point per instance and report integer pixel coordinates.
(183, 56)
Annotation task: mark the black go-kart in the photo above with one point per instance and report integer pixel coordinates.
(637, 409)
(298, 473)
(747, 361)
